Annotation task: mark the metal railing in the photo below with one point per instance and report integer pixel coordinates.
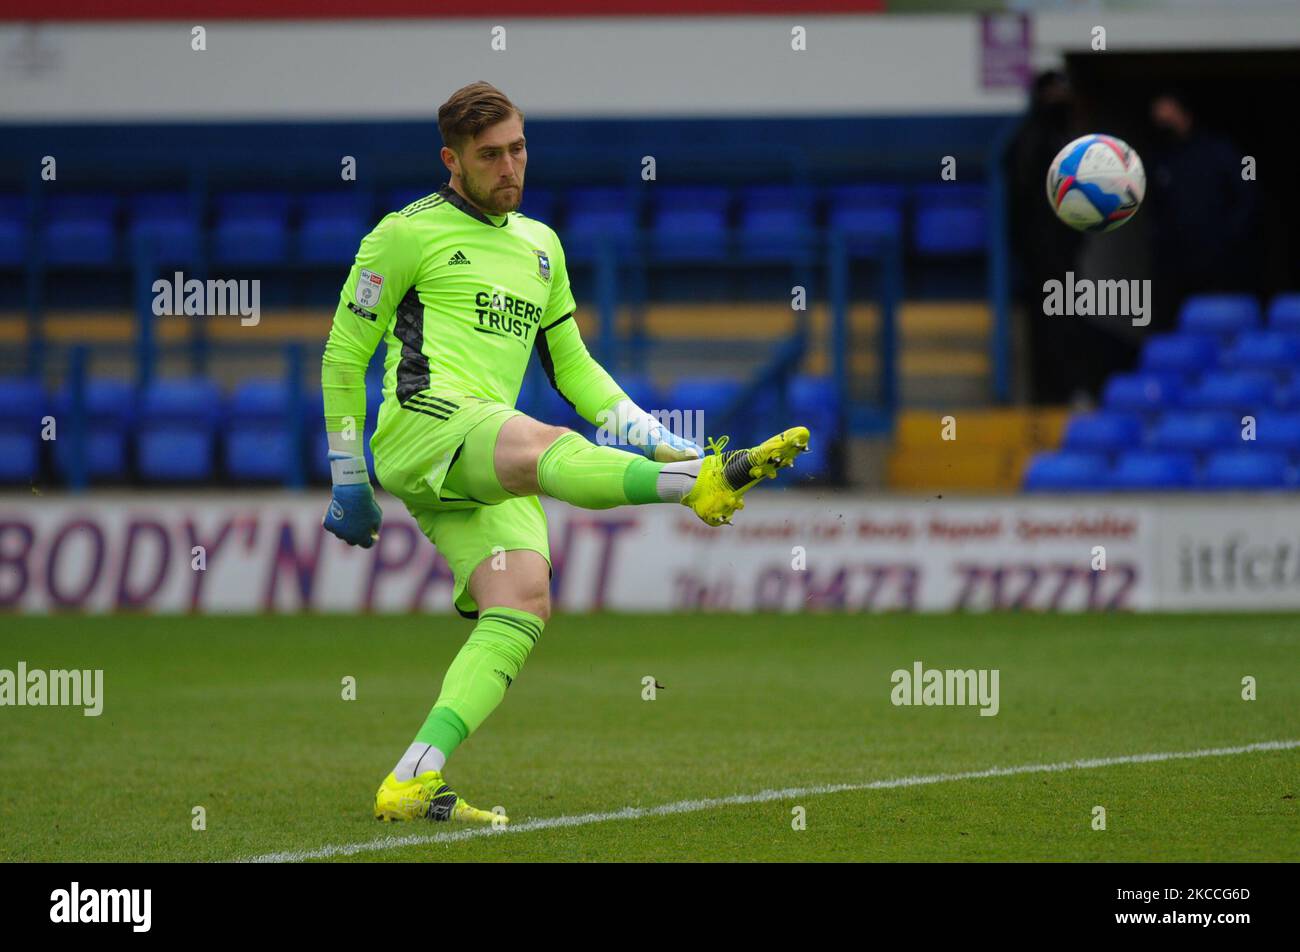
(826, 265)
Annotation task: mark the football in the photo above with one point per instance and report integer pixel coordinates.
(1096, 183)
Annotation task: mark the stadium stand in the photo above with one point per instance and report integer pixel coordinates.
(1213, 407)
(244, 431)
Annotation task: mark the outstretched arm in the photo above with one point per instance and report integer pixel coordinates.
(587, 386)
(383, 272)
(592, 392)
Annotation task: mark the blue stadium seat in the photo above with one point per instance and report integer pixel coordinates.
(949, 219)
(552, 408)
(1231, 390)
(1142, 392)
(641, 389)
(644, 393)
(110, 409)
(15, 216)
(176, 437)
(1147, 469)
(397, 199)
(539, 204)
(332, 226)
(1220, 314)
(599, 216)
(1264, 350)
(1278, 431)
(534, 378)
(251, 228)
(1103, 432)
(710, 395)
(1180, 353)
(1194, 431)
(866, 214)
(165, 224)
(318, 463)
(260, 445)
(776, 223)
(1247, 469)
(1287, 394)
(814, 394)
(22, 404)
(80, 229)
(689, 223)
(1284, 312)
(1065, 471)
(815, 403)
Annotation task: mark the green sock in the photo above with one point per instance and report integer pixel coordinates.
(596, 477)
(479, 675)
(442, 729)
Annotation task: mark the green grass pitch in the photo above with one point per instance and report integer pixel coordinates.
(244, 717)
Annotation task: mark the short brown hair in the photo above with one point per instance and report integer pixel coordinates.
(470, 110)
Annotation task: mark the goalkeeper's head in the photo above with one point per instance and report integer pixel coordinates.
(483, 147)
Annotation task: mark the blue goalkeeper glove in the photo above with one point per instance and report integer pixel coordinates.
(636, 427)
(353, 515)
(664, 446)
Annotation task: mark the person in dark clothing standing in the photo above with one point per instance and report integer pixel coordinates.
(1200, 208)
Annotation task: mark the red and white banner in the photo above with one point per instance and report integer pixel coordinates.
(254, 552)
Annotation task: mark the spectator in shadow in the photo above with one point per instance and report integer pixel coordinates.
(1201, 210)
(1058, 348)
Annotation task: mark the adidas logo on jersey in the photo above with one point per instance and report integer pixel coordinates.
(458, 258)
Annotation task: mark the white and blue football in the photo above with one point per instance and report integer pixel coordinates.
(1096, 183)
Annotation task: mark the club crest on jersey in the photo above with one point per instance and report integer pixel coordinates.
(369, 284)
(543, 264)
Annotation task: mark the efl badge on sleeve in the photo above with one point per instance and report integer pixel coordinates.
(543, 265)
(369, 285)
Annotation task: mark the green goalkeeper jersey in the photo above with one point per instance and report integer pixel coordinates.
(461, 298)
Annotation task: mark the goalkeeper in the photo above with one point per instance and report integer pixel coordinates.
(462, 288)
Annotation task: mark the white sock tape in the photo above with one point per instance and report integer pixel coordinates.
(349, 470)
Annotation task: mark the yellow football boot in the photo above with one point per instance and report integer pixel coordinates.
(427, 797)
(725, 477)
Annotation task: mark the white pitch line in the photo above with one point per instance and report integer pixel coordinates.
(764, 796)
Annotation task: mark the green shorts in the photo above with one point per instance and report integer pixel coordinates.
(442, 469)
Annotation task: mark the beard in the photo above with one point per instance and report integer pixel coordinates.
(497, 201)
